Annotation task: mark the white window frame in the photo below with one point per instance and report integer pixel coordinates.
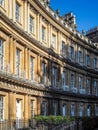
(17, 12)
(1, 108)
(1, 54)
(31, 24)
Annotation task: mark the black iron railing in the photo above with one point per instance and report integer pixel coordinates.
(14, 124)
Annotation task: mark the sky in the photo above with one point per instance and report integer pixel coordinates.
(86, 11)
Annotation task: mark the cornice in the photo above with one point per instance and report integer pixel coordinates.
(12, 83)
(72, 32)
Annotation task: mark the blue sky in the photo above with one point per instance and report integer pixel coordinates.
(86, 11)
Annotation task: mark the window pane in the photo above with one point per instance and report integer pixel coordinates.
(63, 78)
(63, 48)
(71, 52)
(87, 60)
(32, 67)
(53, 40)
(43, 33)
(72, 110)
(64, 109)
(79, 56)
(17, 12)
(95, 63)
(1, 107)
(2, 2)
(43, 72)
(72, 81)
(54, 76)
(31, 24)
(81, 111)
(17, 61)
(44, 108)
(80, 82)
(88, 86)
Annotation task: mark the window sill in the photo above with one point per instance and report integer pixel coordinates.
(2, 8)
(32, 34)
(44, 42)
(18, 22)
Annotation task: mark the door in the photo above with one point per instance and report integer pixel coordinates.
(64, 110)
(18, 109)
(18, 113)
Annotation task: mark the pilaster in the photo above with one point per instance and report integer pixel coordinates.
(26, 62)
(13, 9)
(26, 106)
(12, 106)
(10, 9)
(38, 26)
(25, 15)
(11, 58)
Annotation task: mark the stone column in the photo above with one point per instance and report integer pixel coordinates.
(25, 16)
(26, 106)
(12, 106)
(68, 78)
(77, 81)
(39, 68)
(11, 54)
(58, 42)
(14, 56)
(38, 27)
(48, 35)
(39, 101)
(50, 72)
(26, 62)
(28, 15)
(13, 10)
(10, 9)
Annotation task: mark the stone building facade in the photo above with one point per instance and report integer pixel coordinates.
(46, 66)
(93, 34)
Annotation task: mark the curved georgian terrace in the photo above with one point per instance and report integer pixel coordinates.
(46, 66)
